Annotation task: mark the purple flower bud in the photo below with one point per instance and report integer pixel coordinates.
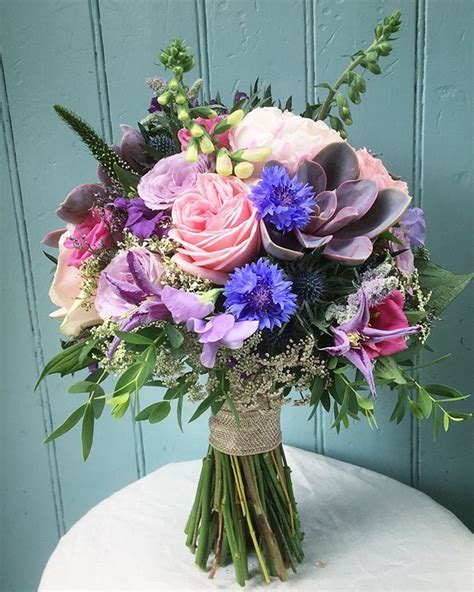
(414, 225)
(131, 149)
(79, 201)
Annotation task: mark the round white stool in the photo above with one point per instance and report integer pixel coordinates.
(363, 531)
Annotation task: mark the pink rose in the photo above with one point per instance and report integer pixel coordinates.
(216, 226)
(388, 316)
(65, 293)
(91, 235)
(169, 178)
(120, 290)
(184, 135)
(373, 168)
(291, 137)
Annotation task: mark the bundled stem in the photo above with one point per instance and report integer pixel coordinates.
(245, 503)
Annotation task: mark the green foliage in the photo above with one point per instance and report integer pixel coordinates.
(72, 359)
(257, 97)
(353, 82)
(443, 284)
(177, 57)
(101, 151)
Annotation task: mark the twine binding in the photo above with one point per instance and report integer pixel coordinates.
(259, 432)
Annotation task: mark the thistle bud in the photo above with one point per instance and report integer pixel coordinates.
(192, 152)
(183, 115)
(244, 170)
(164, 98)
(256, 154)
(206, 145)
(235, 117)
(173, 85)
(223, 163)
(196, 130)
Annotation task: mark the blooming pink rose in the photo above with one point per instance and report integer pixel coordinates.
(388, 316)
(92, 234)
(291, 137)
(120, 290)
(169, 178)
(373, 168)
(65, 293)
(184, 135)
(216, 226)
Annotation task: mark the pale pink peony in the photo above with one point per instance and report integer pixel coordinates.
(373, 168)
(291, 137)
(168, 179)
(117, 281)
(65, 293)
(91, 235)
(216, 227)
(184, 135)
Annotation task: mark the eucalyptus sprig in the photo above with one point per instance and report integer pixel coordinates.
(367, 59)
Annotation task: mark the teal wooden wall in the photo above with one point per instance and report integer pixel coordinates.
(94, 56)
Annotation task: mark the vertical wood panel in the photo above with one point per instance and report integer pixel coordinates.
(446, 181)
(384, 122)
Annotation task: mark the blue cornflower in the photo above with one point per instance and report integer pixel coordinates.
(259, 292)
(282, 200)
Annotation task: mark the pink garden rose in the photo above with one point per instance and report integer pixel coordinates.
(65, 293)
(120, 290)
(92, 234)
(184, 135)
(373, 168)
(291, 137)
(216, 227)
(169, 178)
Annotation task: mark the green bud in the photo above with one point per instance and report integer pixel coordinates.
(343, 134)
(244, 170)
(192, 151)
(378, 31)
(173, 85)
(353, 95)
(202, 112)
(196, 130)
(223, 163)
(178, 71)
(359, 83)
(341, 101)
(206, 145)
(210, 295)
(374, 68)
(336, 123)
(372, 56)
(183, 115)
(164, 98)
(180, 99)
(384, 48)
(235, 117)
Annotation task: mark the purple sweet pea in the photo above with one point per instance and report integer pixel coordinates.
(355, 340)
(142, 221)
(154, 106)
(240, 95)
(219, 331)
(414, 226)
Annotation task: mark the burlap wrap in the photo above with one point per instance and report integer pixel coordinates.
(259, 432)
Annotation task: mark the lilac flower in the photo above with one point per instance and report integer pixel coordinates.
(359, 342)
(142, 221)
(259, 292)
(414, 227)
(184, 305)
(282, 200)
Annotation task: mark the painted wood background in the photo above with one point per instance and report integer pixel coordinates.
(93, 56)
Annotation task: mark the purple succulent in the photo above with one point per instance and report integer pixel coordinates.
(350, 212)
(75, 208)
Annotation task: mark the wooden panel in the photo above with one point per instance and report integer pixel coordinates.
(446, 182)
(48, 58)
(342, 28)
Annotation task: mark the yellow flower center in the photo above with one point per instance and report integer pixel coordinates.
(354, 338)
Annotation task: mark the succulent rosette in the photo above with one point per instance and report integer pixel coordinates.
(349, 212)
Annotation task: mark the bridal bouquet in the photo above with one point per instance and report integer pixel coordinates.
(244, 256)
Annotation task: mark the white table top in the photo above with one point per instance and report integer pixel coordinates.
(364, 532)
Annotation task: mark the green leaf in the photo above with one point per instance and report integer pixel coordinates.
(119, 399)
(400, 408)
(446, 422)
(425, 402)
(444, 285)
(457, 416)
(365, 403)
(415, 316)
(179, 412)
(66, 362)
(82, 387)
(387, 368)
(174, 335)
(159, 412)
(51, 258)
(204, 406)
(98, 405)
(128, 180)
(134, 338)
(119, 410)
(317, 391)
(87, 431)
(67, 424)
(415, 409)
(135, 377)
(442, 390)
(232, 407)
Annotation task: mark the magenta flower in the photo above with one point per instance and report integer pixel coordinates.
(362, 338)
